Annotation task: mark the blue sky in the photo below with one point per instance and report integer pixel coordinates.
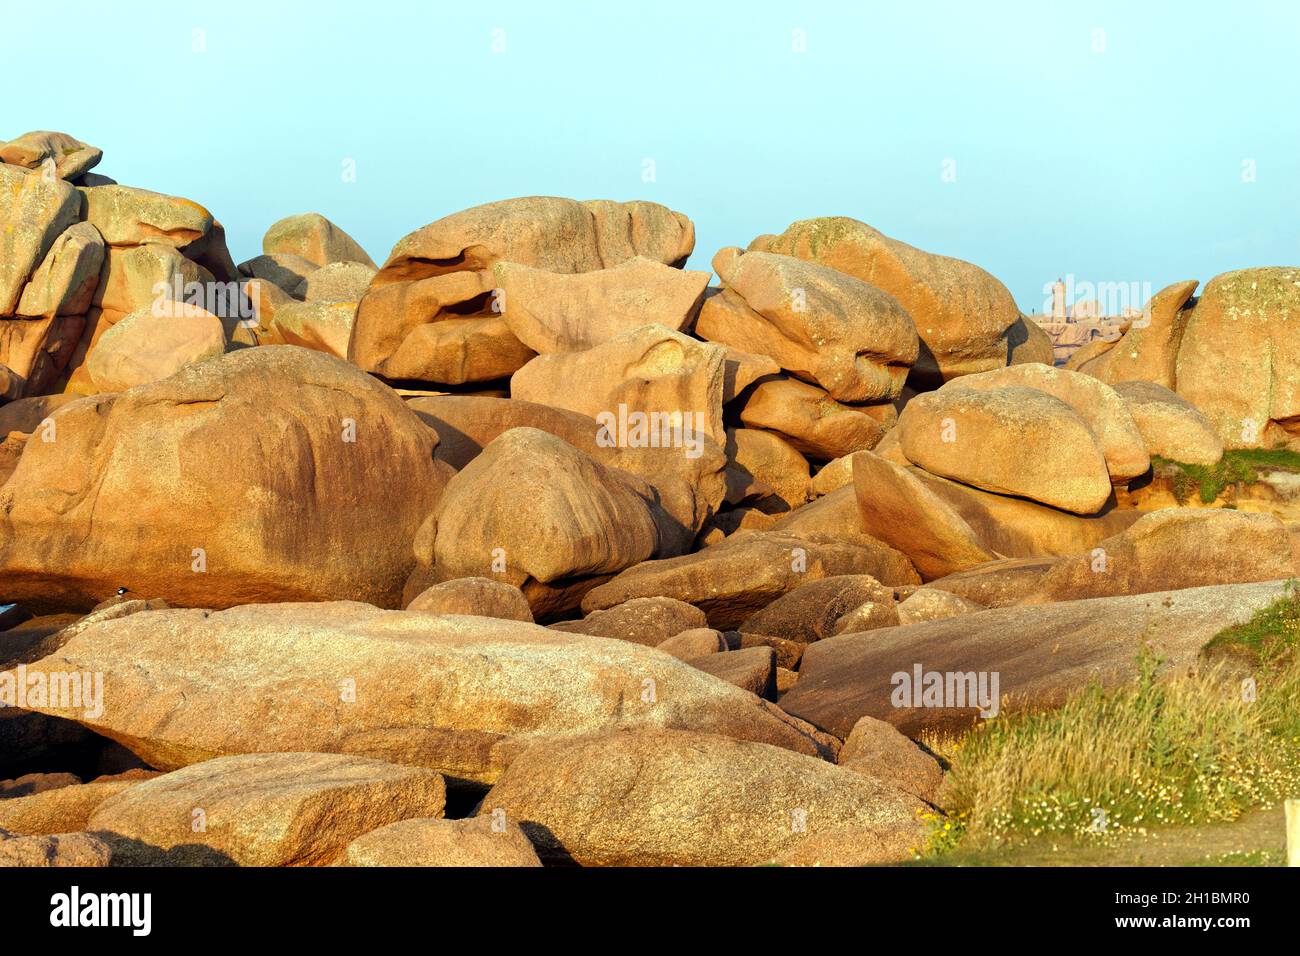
(1118, 156)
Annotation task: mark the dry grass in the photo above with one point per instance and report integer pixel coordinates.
(1187, 750)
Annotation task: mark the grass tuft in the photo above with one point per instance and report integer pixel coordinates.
(1269, 638)
(1239, 465)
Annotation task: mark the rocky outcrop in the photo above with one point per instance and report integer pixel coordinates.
(1040, 655)
(1237, 362)
(687, 575)
(460, 695)
(820, 325)
(732, 580)
(443, 273)
(560, 312)
(966, 319)
(944, 527)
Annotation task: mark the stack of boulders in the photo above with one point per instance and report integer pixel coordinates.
(436, 310)
(1230, 352)
(88, 262)
(535, 517)
(306, 284)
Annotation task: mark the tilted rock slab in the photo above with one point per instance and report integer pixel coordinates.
(876, 749)
(735, 578)
(944, 527)
(34, 211)
(1176, 548)
(1040, 653)
(668, 797)
(263, 809)
(765, 458)
(461, 695)
(65, 281)
(1161, 551)
(1148, 349)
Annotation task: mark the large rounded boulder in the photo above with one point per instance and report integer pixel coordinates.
(1105, 413)
(1239, 360)
(1012, 441)
(535, 512)
(269, 474)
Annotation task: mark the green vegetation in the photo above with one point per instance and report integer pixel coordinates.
(1237, 465)
(1269, 638)
(1111, 765)
(1261, 840)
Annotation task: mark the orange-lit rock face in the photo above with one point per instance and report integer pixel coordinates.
(444, 272)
